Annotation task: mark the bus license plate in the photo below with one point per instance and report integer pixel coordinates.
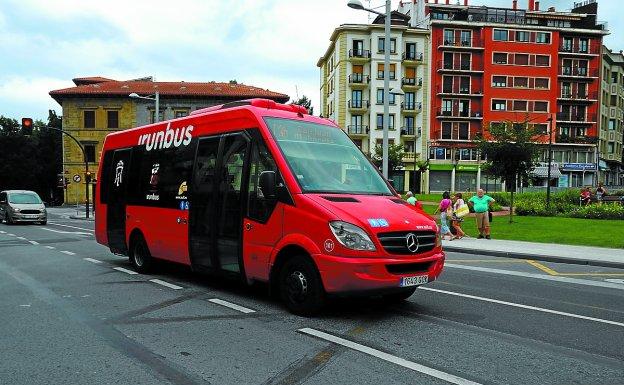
(414, 281)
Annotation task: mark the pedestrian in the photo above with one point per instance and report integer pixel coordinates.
(481, 205)
(410, 198)
(458, 209)
(445, 210)
(585, 196)
(600, 192)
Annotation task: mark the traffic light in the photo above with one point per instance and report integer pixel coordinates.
(66, 182)
(88, 177)
(27, 126)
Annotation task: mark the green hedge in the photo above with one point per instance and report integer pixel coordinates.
(603, 211)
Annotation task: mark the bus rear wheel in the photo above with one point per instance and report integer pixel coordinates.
(140, 256)
(300, 287)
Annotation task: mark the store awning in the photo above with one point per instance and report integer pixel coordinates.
(542, 172)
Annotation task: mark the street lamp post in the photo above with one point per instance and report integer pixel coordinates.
(155, 99)
(356, 4)
(550, 123)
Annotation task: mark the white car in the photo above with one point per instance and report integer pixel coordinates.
(22, 206)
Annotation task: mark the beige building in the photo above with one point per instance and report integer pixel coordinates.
(612, 118)
(351, 87)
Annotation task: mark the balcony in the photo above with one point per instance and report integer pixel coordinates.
(413, 58)
(460, 91)
(577, 50)
(580, 118)
(578, 96)
(358, 80)
(358, 105)
(561, 138)
(578, 72)
(457, 66)
(411, 108)
(462, 44)
(412, 83)
(410, 131)
(359, 55)
(456, 114)
(410, 157)
(357, 130)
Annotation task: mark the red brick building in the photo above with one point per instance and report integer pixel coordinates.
(496, 64)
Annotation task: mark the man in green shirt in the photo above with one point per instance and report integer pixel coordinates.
(410, 198)
(481, 204)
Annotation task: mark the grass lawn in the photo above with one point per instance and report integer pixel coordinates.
(567, 231)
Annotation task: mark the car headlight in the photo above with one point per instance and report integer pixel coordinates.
(15, 209)
(351, 236)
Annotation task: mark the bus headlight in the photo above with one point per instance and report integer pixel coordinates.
(351, 236)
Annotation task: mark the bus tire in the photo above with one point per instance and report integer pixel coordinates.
(400, 296)
(140, 256)
(301, 287)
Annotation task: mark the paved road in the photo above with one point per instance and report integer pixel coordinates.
(71, 312)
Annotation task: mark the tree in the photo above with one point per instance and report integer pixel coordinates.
(395, 156)
(510, 150)
(305, 102)
(421, 166)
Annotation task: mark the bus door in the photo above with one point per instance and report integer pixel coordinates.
(116, 207)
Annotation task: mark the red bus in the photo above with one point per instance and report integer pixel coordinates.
(269, 193)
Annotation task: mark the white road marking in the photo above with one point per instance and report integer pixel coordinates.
(92, 260)
(519, 305)
(231, 305)
(26, 305)
(50, 247)
(67, 252)
(2, 232)
(11, 235)
(577, 281)
(167, 284)
(66, 232)
(125, 270)
(22, 238)
(73, 227)
(33, 242)
(389, 357)
(615, 280)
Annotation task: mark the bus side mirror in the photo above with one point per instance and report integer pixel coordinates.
(267, 184)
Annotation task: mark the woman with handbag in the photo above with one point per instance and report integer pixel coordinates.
(445, 210)
(460, 210)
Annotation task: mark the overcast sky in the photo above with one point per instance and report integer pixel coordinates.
(273, 44)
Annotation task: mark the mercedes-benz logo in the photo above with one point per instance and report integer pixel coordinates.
(412, 242)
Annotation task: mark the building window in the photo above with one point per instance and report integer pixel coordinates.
(542, 83)
(611, 124)
(392, 45)
(611, 147)
(543, 38)
(521, 82)
(520, 105)
(89, 119)
(499, 105)
(500, 58)
(381, 44)
(112, 118)
(522, 36)
(501, 35)
(447, 107)
(466, 38)
(540, 107)
(180, 113)
(89, 149)
(447, 128)
(521, 59)
(449, 37)
(542, 60)
(447, 84)
(380, 71)
(567, 44)
(499, 81)
(380, 97)
(380, 122)
(464, 131)
(153, 116)
(583, 45)
(541, 128)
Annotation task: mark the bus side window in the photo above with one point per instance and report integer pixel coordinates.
(259, 207)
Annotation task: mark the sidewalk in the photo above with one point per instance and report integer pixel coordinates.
(549, 252)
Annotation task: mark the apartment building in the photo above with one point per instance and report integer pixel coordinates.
(351, 86)
(611, 118)
(491, 65)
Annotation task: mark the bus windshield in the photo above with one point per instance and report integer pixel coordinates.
(324, 159)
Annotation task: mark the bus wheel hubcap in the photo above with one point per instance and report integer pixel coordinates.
(138, 256)
(297, 286)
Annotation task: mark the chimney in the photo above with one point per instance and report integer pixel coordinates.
(447, 2)
(531, 5)
(466, 3)
(537, 5)
(514, 4)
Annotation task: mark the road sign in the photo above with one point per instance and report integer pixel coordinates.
(77, 178)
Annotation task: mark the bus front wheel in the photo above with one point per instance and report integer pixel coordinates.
(301, 288)
(140, 256)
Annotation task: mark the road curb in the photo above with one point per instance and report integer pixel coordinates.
(544, 258)
(81, 218)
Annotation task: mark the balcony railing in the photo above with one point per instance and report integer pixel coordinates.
(459, 114)
(461, 43)
(417, 56)
(411, 106)
(576, 48)
(576, 117)
(359, 78)
(578, 71)
(360, 53)
(457, 66)
(460, 90)
(415, 82)
(359, 104)
(561, 138)
(579, 95)
(357, 130)
(411, 130)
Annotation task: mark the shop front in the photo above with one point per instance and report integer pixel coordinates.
(580, 174)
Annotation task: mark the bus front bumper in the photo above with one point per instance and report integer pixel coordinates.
(352, 275)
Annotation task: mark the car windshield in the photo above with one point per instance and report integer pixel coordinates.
(325, 160)
(24, 198)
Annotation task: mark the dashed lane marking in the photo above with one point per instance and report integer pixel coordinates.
(2, 232)
(67, 252)
(92, 260)
(167, 284)
(615, 280)
(231, 305)
(22, 238)
(66, 232)
(519, 305)
(50, 247)
(33, 242)
(125, 270)
(11, 235)
(451, 378)
(72, 227)
(543, 268)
